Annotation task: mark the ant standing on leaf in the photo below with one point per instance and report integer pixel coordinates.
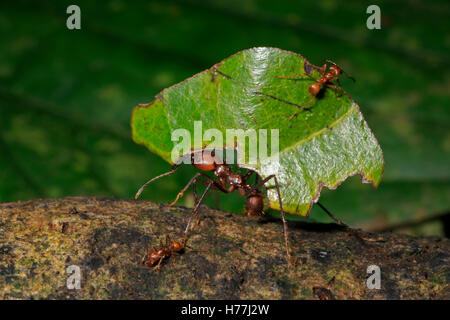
(326, 79)
(226, 181)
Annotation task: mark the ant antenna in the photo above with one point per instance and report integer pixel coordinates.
(174, 168)
(345, 73)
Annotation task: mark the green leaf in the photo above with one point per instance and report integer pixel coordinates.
(321, 146)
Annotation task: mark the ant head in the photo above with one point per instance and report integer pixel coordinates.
(176, 246)
(204, 161)
(335, 70)
(255, 204)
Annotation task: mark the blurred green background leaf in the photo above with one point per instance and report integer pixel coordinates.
(66, 95)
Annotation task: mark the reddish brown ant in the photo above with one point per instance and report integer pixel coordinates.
(155, 257)
(326, 79)
(226, 182)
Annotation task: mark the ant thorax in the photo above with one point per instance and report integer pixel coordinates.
(235, 179)
(222, 171)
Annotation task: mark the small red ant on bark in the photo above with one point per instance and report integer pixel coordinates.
(226, 182)
(326, 79)
(155, 257)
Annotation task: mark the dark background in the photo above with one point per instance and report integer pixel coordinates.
(66, 96)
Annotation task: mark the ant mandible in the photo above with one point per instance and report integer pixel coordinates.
(155, 257)
(226, 182)
(326, 79)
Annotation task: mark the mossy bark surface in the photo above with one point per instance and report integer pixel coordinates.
(233, 256)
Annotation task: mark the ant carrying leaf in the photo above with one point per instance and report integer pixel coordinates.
(250, 91)
(227, 182)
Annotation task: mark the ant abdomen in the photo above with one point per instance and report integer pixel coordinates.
(255, 205)
(314, 89)
(205, 166)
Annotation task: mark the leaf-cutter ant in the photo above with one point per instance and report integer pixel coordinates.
(328, 74)
(155, 257)
(226, 181)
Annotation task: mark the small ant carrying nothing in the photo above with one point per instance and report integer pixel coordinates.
(326, 79)
(155, 257)
(226, 182)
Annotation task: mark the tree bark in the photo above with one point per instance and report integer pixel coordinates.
(232, 256)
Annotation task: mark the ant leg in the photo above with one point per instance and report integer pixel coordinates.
(194, 190)
(184, 244)
(194, 180)
(280, 100)
(180, 194)
(168, 243)
(158, 266)
(247, 176)
(296, 76)
(173, 256)
(197, 205)
(302, 108)
(285, 227)
(350, 229)
(339, 84)
(145, 256)
(174, 168)
(214, 186)
(259, 184)
(322, 68)
(167, 240)
(197, 222)
(338, 88)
